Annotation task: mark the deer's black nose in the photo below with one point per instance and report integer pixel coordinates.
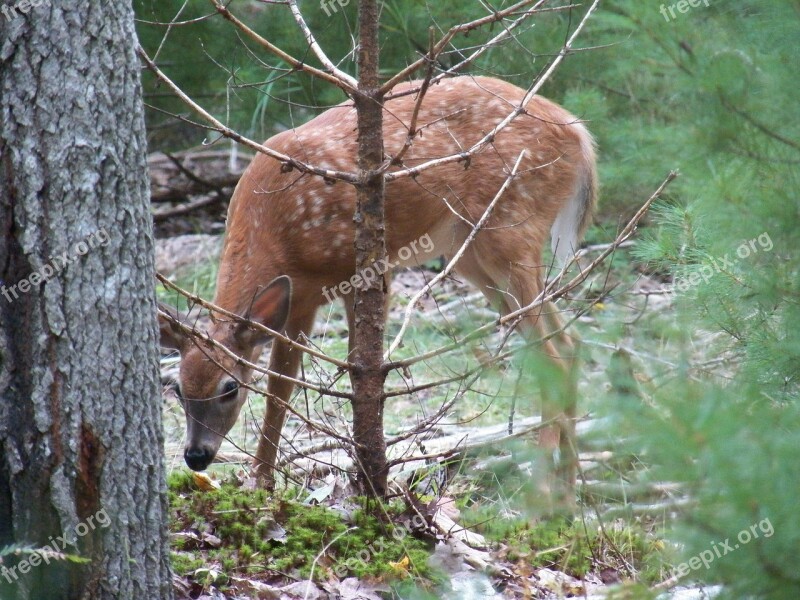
(197, 459)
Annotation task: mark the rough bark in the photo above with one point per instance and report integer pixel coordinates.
(80, 423)
(368, 375)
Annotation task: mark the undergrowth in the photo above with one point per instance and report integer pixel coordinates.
(266, 536)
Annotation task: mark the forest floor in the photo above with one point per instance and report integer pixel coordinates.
(465, 524)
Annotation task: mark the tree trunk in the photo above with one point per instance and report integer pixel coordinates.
(368, 375)
(81, 465)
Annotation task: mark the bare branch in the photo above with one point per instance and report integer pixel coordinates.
(482, 48)
(542, 299)
(185, 209)
(312, 42)
(489, 137)
(341, 82)
(451, 33)
(412, 126)
(485, 363)
(257, 326)
(209, 341)
(196, 334)
(623, 236)
(218, 126)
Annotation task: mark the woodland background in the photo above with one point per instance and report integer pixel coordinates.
(696, 389)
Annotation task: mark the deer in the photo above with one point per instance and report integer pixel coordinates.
(290, 235)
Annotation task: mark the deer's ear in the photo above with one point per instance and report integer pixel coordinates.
(270, 307)
(172, 336)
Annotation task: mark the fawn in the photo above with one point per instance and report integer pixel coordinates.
(290, 235)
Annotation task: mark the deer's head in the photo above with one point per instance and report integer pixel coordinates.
(208, 387)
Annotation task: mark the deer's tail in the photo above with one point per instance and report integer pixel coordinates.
(574, 217)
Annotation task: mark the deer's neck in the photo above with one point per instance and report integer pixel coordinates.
(248, 263)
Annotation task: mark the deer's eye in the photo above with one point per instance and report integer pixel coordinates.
(229, 390)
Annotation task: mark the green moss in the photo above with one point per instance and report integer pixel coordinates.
(228, 564)
(245, 553)
(364, 548)
(573, 546)
(561, 545)
(184, 563)
(180, 481)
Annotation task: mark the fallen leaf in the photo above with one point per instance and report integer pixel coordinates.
(204, 482)
(209, 576)
(401, 566)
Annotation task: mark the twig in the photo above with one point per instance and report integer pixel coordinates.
(191, 175)
(195, 299)
(520, 109)
(219, 127)
(336, 72)
(320, 555)
(623, 236)
(307, 451)
(758, 125)
(196, 335)
(463, 446)
(451, 33)
(412, 127)
(486, 363)
(341, 82)
(482, 48)
(209, 200)
(542, 299)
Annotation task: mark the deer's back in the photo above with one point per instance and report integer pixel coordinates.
(296, 224)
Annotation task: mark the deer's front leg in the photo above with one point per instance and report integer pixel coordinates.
(284, 359)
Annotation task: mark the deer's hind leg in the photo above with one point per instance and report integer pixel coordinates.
(515, 281)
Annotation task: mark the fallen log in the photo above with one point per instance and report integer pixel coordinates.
(176, 177)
